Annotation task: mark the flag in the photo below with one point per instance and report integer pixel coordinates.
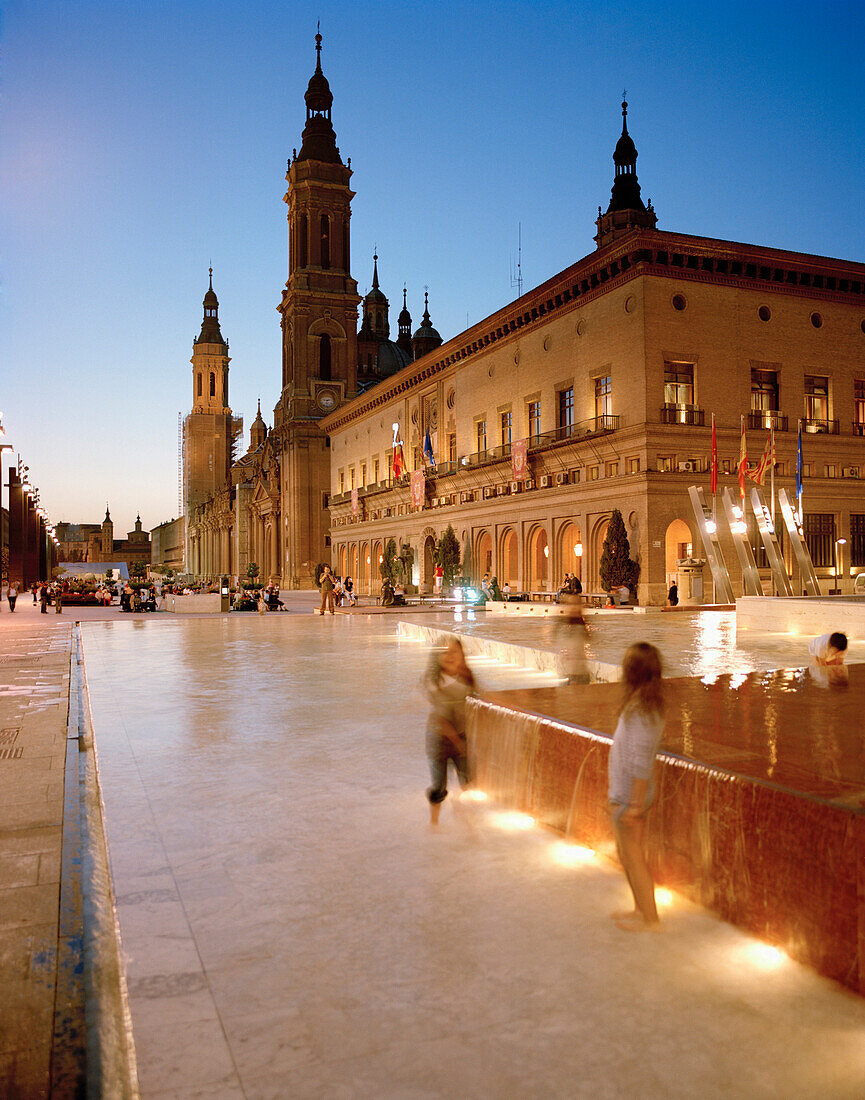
(758, 472)
(428, 449)
(354, 501)
(743, 462)
(418, 488)
(799, 471)
(398, 462)
(519, 459)
(714, 464)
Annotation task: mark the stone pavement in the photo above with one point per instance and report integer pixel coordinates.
(291, 926)
(34, 688)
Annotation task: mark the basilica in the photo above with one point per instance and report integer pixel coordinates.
(592, 392)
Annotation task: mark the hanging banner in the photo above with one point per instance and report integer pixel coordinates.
(418, 488)
(354, 501)
(520, 460)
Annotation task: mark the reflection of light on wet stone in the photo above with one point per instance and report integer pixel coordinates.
(571, 855)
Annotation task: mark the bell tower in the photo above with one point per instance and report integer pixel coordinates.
(627, 210)
(318, 310)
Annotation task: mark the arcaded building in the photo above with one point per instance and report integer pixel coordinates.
(593, 391)
(596, 391)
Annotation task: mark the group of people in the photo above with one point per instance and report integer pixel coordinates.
(449, 682)
(335, 591)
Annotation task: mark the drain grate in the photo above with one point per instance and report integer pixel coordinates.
(8, 735)
(11, 754)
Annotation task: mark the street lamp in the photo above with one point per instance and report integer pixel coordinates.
(838, 544)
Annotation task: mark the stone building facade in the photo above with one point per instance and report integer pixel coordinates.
(593, 391)
(610, 373)
(95, 542)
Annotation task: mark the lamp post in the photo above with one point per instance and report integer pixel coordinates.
(838, 544)
(578, 553)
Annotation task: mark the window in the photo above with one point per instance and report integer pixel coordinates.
(481, 435)
(666, 463)
(324, 357)
(390, 466)
(351, 478)
(859, 406)
(593, 472)
(452, 447)
(611, 469)
(375, 470)
(633, 465)
(857, 540)
(346, 266)
(566, 408)
(534, 417)
(342, 481)
(304, 245)
(819, 530)
(604, 396)
(416, 458)
(363, 474)
(325, 240)
(199, 385)
(506, 424)
(816, 397)
(831, 470)
(212, 384)
(678, 383)
(764, 391)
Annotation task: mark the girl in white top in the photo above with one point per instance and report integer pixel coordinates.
(632, 760)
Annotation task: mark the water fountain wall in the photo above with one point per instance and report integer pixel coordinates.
(789, 868)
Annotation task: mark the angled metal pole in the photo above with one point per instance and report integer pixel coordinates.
(766, 527)
(797, 541)
(738, 529)
(709, 534)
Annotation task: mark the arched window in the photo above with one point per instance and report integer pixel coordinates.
(212, 384)
(325, 240)
(378, 319)
(346, 265)
(324, 357)
(198, 376)
(304, 243)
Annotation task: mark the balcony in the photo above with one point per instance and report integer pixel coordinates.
(765, 418)
(583, 429)
(819, 427)
(494, 454)
(859, 427)
(683, 414)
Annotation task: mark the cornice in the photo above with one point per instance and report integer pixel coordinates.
(640, 252)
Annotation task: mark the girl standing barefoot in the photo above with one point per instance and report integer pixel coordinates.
(448, 683)
(631, 791)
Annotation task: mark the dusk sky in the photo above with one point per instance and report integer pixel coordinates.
(141, 142)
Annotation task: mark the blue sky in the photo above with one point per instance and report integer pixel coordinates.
(139, 142)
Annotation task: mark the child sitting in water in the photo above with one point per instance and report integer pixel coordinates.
(828, 649)
(448, 683)
(631, 791)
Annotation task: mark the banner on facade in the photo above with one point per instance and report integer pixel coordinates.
(418, 488)
(354, 504)
(520, 459)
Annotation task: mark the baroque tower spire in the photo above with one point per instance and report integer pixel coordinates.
(626, 210)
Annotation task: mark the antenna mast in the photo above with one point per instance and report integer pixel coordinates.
(180, 464)
(517, 271)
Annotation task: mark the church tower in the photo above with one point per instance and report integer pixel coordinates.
(319, 331)
(210, 430)
(626, 210)
(107, 536)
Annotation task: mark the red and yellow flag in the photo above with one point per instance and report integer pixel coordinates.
(743, 462)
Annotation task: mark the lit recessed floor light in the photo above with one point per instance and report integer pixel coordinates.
(473, 796)
(513, 821)
(663, 897)
(571, 855)
(765, 955)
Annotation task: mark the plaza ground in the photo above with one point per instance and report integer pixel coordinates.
(290, 925)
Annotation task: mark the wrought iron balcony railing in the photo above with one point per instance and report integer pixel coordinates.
(763, 418)
(824, 427)
(682, 414)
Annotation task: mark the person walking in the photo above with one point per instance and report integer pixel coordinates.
(43, 599)
(448, 682)
(12, 595)
(327, 585)
(631, 765)
(35, 593)
(58, 599)
(673, 595)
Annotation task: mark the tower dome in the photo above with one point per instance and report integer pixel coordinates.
(627, 210)
(426, 338)
(319, 139)
(210, 330)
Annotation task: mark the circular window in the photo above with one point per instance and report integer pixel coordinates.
(632, 520)
(629, 304)
(451, 399)
(517, 358)
(491, 371)
(548, 343)
(679, 302)
(581, 327)
(414, 416)
(816, 320)
(764, 313)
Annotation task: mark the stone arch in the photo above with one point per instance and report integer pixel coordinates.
(376, 558)
(326, 325)
(428, 550)
(508, 564)
(483, 555)
(341, 558)
(569, 550)
(596, 548)
(538, 559)
(351, 567)
(677, 544)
